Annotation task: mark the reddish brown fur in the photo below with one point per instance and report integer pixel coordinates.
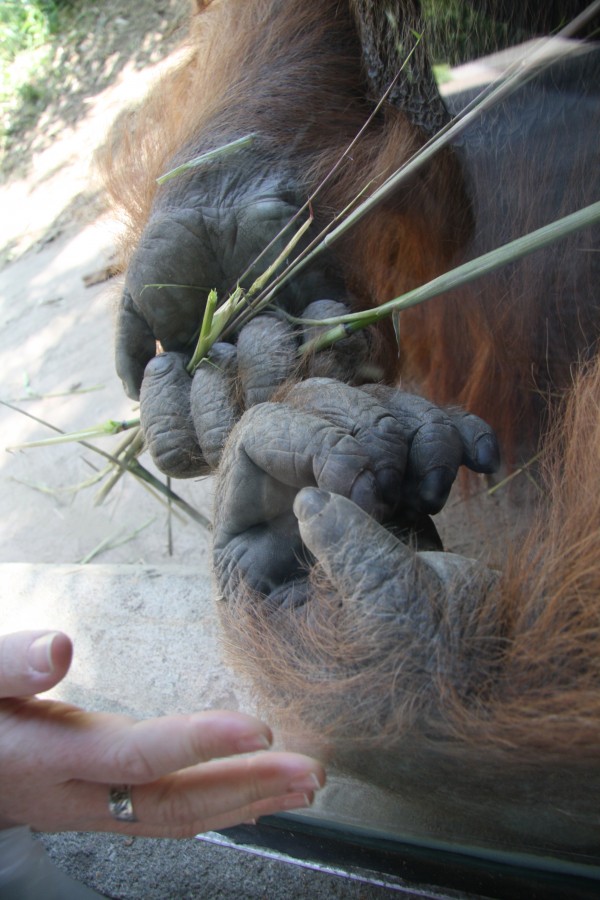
(249, 67)
(532, 663)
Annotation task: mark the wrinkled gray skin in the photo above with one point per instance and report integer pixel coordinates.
(187, 420)
(393, 454)
(388, 452)
(208, 226)
(204, 231)
(311, 478)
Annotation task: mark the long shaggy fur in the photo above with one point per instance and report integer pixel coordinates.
(292, 73)
(524, 671)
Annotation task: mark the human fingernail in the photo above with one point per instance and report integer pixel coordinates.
(296, 801)
(308, 782)
(39, 655)
(250, 743)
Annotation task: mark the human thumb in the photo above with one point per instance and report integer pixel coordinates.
(33, 661)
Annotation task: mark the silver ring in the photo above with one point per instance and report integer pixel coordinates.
(120, 804)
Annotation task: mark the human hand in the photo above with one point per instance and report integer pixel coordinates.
(57, 762)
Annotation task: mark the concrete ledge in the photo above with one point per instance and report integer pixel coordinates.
(146, 638)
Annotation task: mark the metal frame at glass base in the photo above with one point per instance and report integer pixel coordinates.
(430, 871)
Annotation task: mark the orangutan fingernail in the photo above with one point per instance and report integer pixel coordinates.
(39, 655)
(310, 502)
(486, 452)
(434, 489)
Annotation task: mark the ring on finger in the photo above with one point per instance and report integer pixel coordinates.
(120, 804)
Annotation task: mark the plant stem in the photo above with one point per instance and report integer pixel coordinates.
(208, 157)
(204, 342)
(469, 271)
(521, 71)
(134, 467)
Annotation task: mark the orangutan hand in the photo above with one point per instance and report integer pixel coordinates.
(394, 455)
(186, 420)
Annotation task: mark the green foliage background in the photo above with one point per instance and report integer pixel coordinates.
(456, 31)
(28, 29)
(25, 24)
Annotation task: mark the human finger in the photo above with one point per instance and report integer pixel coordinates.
(249, 814)
(109, 748)
(223, 787)
(180, 804)
(242, 815)
(33, 661)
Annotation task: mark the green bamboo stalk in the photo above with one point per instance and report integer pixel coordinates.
(208, 157)
(111, 426)
(525, 68)
(342, 326)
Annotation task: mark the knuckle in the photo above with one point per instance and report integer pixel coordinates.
(131, 761)
(177, 808)
(253, 784)
(160, 366)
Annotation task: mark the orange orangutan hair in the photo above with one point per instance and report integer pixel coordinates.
(292, 72)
